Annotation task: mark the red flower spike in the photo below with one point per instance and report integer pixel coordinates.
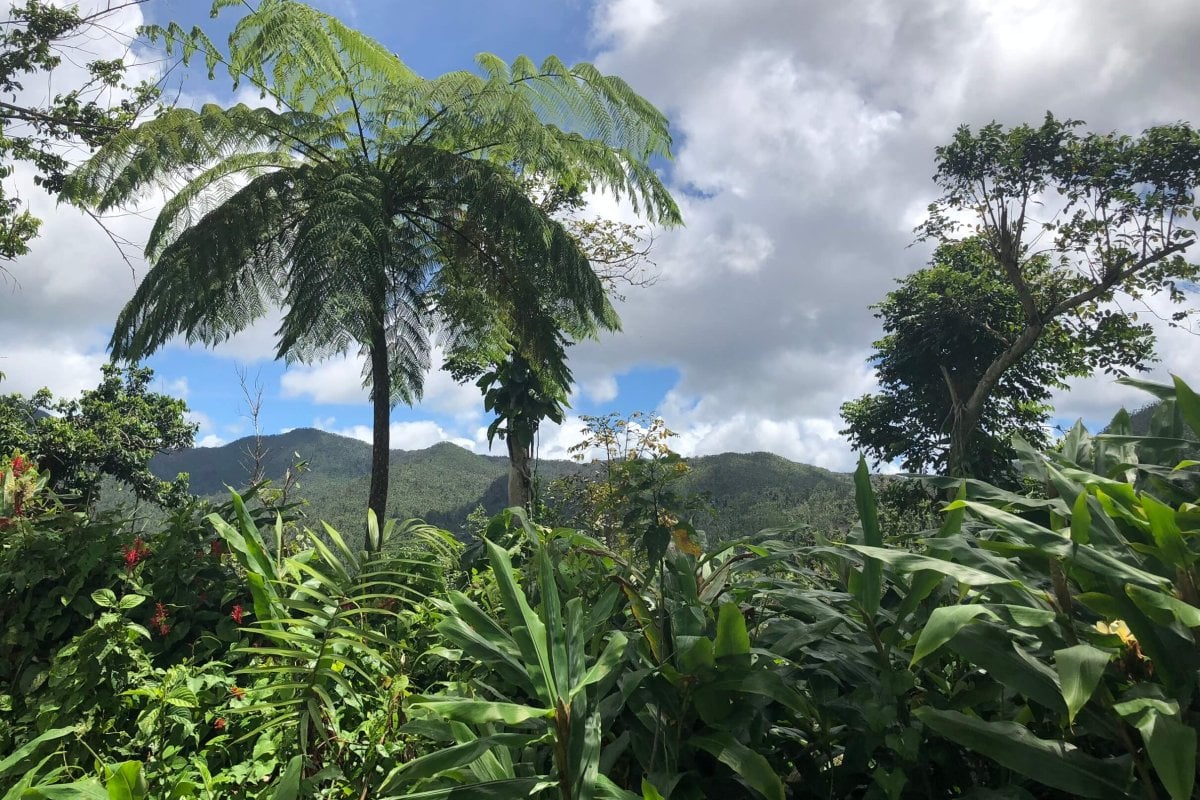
(236, 614)
(219, 724)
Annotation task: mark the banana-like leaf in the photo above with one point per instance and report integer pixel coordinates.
(943, 624)
(481, 712)
(1171, 746)
(907, 562)
(1048, 762)
(1080, 669)
(753, 768)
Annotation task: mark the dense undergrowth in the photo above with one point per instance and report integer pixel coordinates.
(1035, 645)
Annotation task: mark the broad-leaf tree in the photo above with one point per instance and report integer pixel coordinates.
(944, 326)
(352, 203)
(35, 38)
(1076, 223)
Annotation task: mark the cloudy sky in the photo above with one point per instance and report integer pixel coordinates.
(804, 138)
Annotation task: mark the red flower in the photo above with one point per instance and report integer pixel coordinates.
(19, 465)
(135, 554)
(215, 548)
(237, 691)
(159, 620)
(236, 614)
(219, 724)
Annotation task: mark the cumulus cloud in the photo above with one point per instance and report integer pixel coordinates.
(415, 435)
(806, 135)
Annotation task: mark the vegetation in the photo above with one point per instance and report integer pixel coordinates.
(1035, 645)
(1069, 223)
(372, 202)
(35, 36)
(112, 431)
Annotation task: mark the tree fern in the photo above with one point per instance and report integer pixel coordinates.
(369, 199)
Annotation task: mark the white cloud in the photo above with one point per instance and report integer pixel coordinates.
(414, 435)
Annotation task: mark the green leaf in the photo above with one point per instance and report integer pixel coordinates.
(1079, 671)
(105, 598)
(288, 786)
(913, 562)
(613, 652)
(753, 768)
(870, 588)
(1081, 520)
(1156, 604)
(131, 601)
(1188, 403)
(126, 781)
(29, 748)
(732, 637)
(87, 789)
(1172, 749)
(943, 623)
(448, 758)
(1049, 762)
(491, 790)
(649, 792)
(480, 712)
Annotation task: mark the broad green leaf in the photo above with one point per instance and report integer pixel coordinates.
(86, 789)
(507, 789)
(29, 748)
(1166, 533)
(613, 652)
(1155, 604)
(1188, 403)
(126, 781)
(479, 712)
(943, 623)
(105, 598)
(649, 792)
(288, 786)
(751, 766)
(527, 629)
(1079, 671)
(913, 562)
(988, 646)
(458, 755)
(1132, 708)
(870, 588)
(1049, 762)
(1081, 520)
(732, 637)
(131, 601)
(1172, 749)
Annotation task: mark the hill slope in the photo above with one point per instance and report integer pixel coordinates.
(444, 483)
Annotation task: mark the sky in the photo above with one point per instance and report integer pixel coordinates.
(804, 136)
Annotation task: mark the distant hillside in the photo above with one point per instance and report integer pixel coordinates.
(444, 483)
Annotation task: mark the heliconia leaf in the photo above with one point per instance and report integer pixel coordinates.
(870, 586)
(943, 623)
(491, 790)
(1046, 761)
(450, 758)
(29, 748)
(1156, 604)
(751, 766)
(1171, 746)
(479, 712)
(288, 785)
(1188, 403)
(905, 561)
(1079, 671)
(732, 637)
(1081, 520)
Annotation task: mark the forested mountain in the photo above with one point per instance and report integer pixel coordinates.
(444, 483)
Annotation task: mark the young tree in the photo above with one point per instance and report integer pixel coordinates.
(944, 326)
(1074, 222)
(351, 206)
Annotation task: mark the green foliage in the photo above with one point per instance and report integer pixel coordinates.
(374, 202)
(944, 327)
(34, 40)
(112, 431)
(1068, 223)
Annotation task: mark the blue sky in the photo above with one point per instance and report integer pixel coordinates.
(804, 136)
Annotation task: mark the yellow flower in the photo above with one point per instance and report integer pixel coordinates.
(1118, 628)
(684, 542)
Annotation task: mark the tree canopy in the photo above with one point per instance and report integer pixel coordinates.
(1075, 223)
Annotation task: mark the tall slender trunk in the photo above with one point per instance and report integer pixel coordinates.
(381, 402)
(520, 475)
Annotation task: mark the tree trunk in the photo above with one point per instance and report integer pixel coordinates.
(520, 475)
(381, 402)
(968, 414)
